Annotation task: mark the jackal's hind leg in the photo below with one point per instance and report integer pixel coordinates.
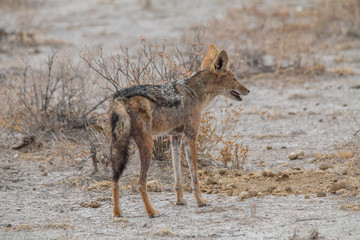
(117, 212)
(118, 158)
(144, 144)
(175, 150)
(190, 150)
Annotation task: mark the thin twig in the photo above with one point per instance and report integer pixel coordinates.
(96, 106)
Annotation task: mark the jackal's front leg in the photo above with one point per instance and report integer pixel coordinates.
(175, 150)
(190, 149)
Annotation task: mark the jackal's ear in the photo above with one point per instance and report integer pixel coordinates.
(221, 64)
(209, 57)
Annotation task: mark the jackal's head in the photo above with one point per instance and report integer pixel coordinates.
(225, 81)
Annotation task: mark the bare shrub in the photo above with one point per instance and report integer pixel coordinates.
(149, 64)
(82, 146)
(47, 99)
(218, 136)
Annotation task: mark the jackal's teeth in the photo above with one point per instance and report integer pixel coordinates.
(235, 94)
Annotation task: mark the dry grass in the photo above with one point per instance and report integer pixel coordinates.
(102, 185)
(25, 36)
(284, 39)
(32, 226)
(351, 207)
(342, 71)
(345, 161)
(163, 232)
(337, 18)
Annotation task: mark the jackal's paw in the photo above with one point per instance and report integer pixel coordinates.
(182, 201)
(204, 202)
(154, 214)
(118, 213)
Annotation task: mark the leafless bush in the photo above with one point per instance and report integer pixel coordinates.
(149, 64)
(38, 100)
(78, 147)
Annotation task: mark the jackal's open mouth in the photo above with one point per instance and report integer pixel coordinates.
(236, 95)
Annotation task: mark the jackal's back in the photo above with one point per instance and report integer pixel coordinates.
(165, 95)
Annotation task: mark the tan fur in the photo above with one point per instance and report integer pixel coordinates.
(209, 57)
(119, 108)
(140, 117)
(116, 211)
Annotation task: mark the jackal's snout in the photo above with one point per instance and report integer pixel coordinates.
(242, 89)
(245, 92)
(239, 91)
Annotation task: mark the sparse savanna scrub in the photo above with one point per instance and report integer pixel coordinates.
(66, 93)
(62, 95)
(299, 60)
(277, 40)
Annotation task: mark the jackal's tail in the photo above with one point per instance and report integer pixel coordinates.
(120, 127)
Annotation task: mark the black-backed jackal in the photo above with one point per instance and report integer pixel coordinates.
(173, 109)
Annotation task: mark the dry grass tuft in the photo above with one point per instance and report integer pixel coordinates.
(164, 232)
(347, 159)
(351, 207)
(102, 185)
(31, 226)
(91, 204)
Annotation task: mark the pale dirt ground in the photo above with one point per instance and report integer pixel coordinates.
(315, 116)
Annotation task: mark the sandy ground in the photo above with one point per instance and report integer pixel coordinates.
(35, 206)
(47, 200)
